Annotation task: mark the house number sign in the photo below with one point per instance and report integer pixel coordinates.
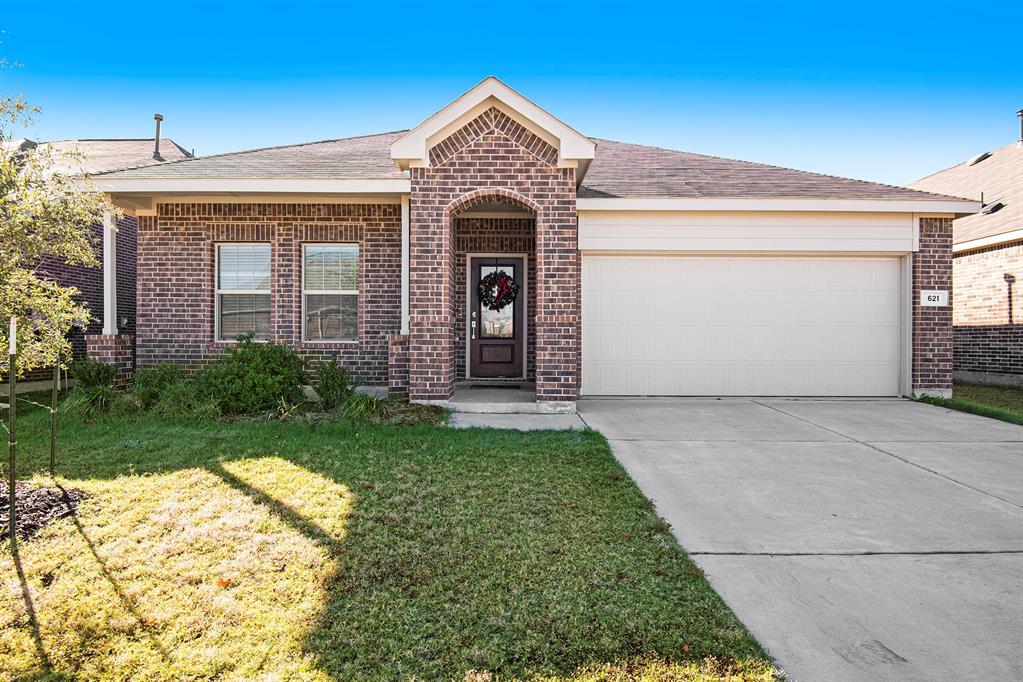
(934, 298)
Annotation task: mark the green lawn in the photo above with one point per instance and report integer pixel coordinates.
(998, 402)
(327, 550)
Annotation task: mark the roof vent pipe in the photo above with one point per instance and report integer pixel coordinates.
(1020, 114)
(156, 149)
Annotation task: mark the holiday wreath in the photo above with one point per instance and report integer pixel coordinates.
(497, 290)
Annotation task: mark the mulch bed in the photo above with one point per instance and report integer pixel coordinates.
(36, 506)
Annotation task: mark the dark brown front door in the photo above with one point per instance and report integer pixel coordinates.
(496, 337)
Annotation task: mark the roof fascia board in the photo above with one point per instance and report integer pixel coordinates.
(253, 185)
(984, 242)
(413, 148)
(872, 205)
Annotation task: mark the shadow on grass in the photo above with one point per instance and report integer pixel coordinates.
(126, 601)
(30, 610)
(520, 554)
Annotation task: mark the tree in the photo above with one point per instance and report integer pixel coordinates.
(48, 213)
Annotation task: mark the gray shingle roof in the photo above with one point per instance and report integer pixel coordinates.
(98, 156)
(621, 169)
(368, 156)
(999, 177)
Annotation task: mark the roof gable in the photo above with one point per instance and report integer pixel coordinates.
(413, 149)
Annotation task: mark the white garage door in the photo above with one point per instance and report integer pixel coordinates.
(758, 325)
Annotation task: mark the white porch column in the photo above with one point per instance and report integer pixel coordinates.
(109, 275)
(405, 239)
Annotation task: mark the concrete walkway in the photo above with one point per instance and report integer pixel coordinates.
(858, 540)
(518, 422)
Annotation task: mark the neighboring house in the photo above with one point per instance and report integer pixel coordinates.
(89, 156)
(987, 270)
(639, 271)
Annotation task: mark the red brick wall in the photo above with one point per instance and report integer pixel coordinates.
(89, 282)
(492, 157)
(397, 347)
(118, 351)
(988, 311)
(176, 277)
(932, 327)
(494, 235)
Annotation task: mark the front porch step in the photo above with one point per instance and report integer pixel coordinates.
(535, 407)
(482, 399)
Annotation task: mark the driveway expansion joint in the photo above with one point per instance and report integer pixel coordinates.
(894, 456)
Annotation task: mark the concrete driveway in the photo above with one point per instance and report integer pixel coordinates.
(857, 539)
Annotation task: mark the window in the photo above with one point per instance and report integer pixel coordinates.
(330, 292)
(243, 291)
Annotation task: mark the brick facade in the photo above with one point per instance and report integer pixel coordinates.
(492, 159)
(932, 327)
(118, 351)
(397, 374)
(988, 313)
(89, 282)
(176, 271)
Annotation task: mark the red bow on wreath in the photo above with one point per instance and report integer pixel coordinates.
(504, 285)
(497, 290)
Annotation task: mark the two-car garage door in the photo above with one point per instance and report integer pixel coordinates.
(741, 325)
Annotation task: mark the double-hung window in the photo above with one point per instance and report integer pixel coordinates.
(330, 292)
(243, 291)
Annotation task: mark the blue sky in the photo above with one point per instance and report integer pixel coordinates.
(882, 91)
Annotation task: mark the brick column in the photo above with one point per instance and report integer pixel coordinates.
(118, 351)
(932, 327)
(557, 302)
(431, 370)
(397, 365)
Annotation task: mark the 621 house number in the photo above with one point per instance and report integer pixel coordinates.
(933, 298)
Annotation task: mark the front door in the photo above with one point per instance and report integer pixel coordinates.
(496, 332)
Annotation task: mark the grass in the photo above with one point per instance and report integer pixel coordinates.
(997, 402)
(327, 550)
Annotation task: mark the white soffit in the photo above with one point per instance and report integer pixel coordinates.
(984, 242)
(413, 150)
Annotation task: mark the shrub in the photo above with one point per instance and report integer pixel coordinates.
(152, 382)
(252, 377)
(362, 407)
(334, 385)
(89, 373)
(91, 401)
(182, 399)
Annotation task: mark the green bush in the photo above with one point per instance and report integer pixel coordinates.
(151, 383)
(252, 377)
(362, 407)
(92, 401)
(89, 373)
(334, 385)
(182, 399)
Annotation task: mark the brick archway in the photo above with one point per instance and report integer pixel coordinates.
(491, 195)
(497, 163)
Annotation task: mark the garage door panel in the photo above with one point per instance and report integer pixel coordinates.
(679, 325)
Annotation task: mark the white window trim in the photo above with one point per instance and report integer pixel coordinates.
(217, 291)
(332, 292)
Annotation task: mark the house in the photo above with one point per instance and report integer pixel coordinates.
(91, 156)
(494, 242)
(987, 265)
